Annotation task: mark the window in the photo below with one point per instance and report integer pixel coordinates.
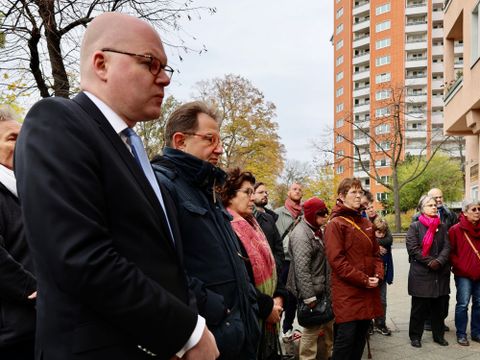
(339, 44)
(382, 60)
(382, 162)
(381, 78)
(383, 43)
(382, 129)
(339, 139)
(475, 34)
(339, 76)
(340, 169)
(385, 25)
(339, 92)
(384, 111)
(384, 179)
(382, 196)
(339, 107)
(340, 153)
(339, 60)
(382, 9)
(339, 123)
(339, 12)
(339, 29)
(383, 146)
(382, 94)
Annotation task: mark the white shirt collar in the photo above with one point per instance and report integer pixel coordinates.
(115, 121)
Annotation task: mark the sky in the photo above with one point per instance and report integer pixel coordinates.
(282, 47)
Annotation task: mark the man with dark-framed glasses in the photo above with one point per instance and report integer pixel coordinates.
(217, 275)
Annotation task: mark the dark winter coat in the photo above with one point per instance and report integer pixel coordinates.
(217, 275)
(267, 220)
(423, 281)
(353, 258)
(17, 313)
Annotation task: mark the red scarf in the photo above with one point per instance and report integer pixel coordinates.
(473, 231)
(432, 224)
(293, 208)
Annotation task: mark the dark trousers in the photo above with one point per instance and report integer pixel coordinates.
(20, 351)
(290, 307)
(350, 339)
(422, 309)
(445, 311)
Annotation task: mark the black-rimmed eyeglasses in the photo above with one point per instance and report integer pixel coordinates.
(155, 65)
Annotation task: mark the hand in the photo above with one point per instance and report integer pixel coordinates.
(206, 348)
(372, 282)
(32, 296)
(278, 301)
(275, 315)
(434, 265)
(383, 251)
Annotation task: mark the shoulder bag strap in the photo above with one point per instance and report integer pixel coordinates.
(473, 247)
(357, 227)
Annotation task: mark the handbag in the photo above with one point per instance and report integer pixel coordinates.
(321, 314)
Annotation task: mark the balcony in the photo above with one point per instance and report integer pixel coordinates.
(416, 98)
(416, 45)
(361, 25)
(416, 62)
(437, 117)
(362, 8)
(437, 33)
(361, 91)
(365, 124)
(415, 150)
(437, 67)
(437, 101)
(458, 49)
(360, 59)
(437, 50)
(362, 40)
(437, 84)
(415, 116)
(412, 80)
(415, 134)
(360, 174)
(361, 108)
(452, 89)
(437, 15)
(416, 9)
(361, 75)
(416, 27)
(364, 140)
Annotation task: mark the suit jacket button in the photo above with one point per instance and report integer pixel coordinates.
(227, 323)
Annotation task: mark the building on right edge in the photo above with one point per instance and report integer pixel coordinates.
(462, 86)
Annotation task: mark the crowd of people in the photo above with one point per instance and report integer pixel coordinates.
(179, 259)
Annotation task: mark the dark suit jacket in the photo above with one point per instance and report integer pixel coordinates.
(109, 277)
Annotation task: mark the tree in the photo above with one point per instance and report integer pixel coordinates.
(249, 133)
(42, 37)
(152, 132)
(443, 172)
(322, 184)
(381, 139)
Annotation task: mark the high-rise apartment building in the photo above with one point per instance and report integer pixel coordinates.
(388, 65)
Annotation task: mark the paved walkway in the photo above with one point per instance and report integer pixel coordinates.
(398, 345)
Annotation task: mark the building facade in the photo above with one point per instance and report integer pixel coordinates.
(462, 91)
(389, 85)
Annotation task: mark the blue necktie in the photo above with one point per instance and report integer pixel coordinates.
(140, 155)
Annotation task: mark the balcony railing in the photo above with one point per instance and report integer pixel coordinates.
(361, 87)
(452, 89)
(416, 5)
(360, 37)
(412, 41)
(418, 76)
(417, 58)
(417, 22)
(360, 55)
(361, 4)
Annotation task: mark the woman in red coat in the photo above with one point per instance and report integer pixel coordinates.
(465, 245)
(353, 254)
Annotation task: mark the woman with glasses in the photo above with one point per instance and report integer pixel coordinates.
(238, 197)
(308, 278)
(429, 276)
(464, 256)
(353, 255)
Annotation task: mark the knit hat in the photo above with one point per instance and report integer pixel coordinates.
(310, 209)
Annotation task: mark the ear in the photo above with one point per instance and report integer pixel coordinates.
(341, 197)
(178, 141)
(100, 65)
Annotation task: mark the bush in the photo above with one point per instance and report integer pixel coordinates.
(406, 218)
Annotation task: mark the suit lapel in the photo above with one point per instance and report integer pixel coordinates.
(90, 108)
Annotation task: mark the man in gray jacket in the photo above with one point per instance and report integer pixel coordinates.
(287, 216)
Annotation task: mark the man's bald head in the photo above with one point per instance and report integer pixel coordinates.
(116, 60)
(437, 194)
(295, 192)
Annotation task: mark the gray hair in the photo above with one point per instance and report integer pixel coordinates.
(467, 204)
(7, 113)
(423, 200)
